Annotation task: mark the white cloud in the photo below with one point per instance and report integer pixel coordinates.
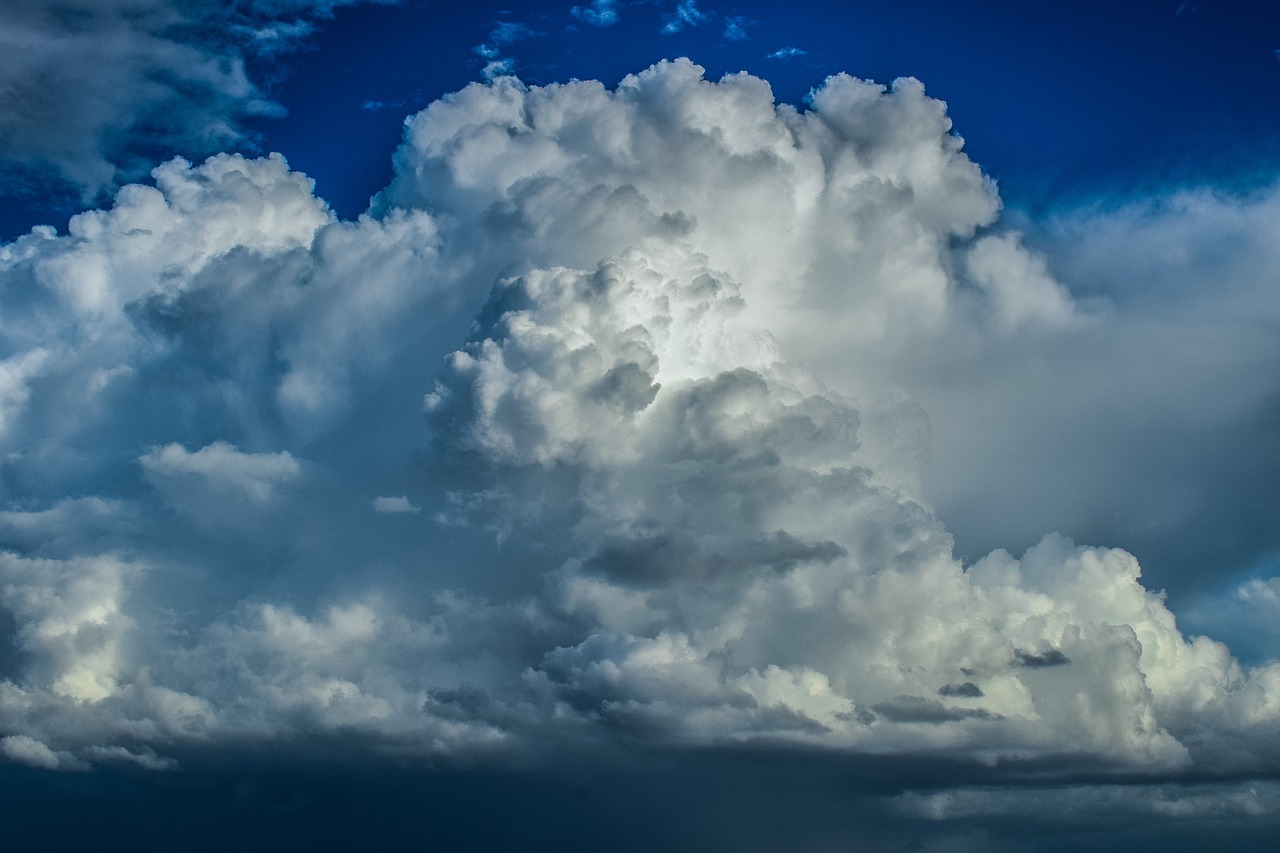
(1151, 410)
(219, 471)
(1259, 590)
(496, 68)
(29, 751)
(667, 480)
(601, 13)
(72, 622)
(15, 372)
(788, 53)
(1018, 283)
(735, 28)
(686, 14)
(399, 504)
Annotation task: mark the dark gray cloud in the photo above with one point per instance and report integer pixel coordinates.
(1051, 657)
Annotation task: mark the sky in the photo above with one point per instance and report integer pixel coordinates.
(640, 425)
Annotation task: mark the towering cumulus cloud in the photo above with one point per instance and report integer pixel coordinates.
(587, 432)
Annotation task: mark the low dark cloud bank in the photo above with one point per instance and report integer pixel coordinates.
(590, 471)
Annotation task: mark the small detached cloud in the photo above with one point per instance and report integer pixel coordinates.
(26, 750)
(601, 13)
(735, 28)
(1260, 590)
(220, 469)
(392, 506)
(502, 34)
(788, 53)
(687, 14)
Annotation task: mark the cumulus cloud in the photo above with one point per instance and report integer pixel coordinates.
(625, 369)
(504, 33)
(1151, 409)
(398, 504)
(221, 468)
(22, 749)
(218, 485)
(93, 88)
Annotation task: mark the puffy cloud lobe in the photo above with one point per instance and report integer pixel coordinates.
(31, 752)
(569, 174)
(702, 538)
(699, 625)
(215, 288)
(1018, 284)
(72, 624)
(532, 370)
(216, 484)
(394, 505)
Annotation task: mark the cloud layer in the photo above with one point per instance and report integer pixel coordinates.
(592, 430)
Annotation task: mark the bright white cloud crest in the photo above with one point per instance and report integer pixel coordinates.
(661, 481)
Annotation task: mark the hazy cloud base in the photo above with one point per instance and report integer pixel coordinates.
(607, 428)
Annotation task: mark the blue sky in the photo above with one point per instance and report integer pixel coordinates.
(675, 424)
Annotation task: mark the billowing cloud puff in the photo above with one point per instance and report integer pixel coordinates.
(593, 425)
(31, 752)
